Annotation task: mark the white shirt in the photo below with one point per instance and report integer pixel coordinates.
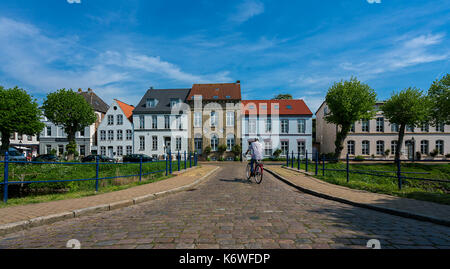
(256, 149)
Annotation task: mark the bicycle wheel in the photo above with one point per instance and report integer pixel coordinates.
(248, 171)
(258, 174)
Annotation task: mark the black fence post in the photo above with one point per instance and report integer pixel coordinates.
(298, 160)
(323, 165)
(185, 160)
(399, 174)
(317, 162)
(5, 178)
(287, 159)
(347, 169)
(170, 162)
(190, 159)
(166, 163)
(96, 173)
(179, 160)
(293, 159)
(306, 162)
(140, 168)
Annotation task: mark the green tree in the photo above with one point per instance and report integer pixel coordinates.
(19, 112)
(439, 94)
(237, 151)
(221, 149)
(408, 107)
(71, 111)
(348, 102)
(282, 97)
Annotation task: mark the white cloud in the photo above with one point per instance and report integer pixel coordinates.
(246, 10)
(374, 1)
(74, 1)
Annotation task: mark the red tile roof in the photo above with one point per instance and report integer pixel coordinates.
(127, 109)
(285, 107)
(218, 91)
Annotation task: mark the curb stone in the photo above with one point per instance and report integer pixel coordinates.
(386, 210)
(44, 220)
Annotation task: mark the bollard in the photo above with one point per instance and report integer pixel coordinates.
(170, 162)
(298, 160)
(166, 163)
(323, 165)
(317, 162)
(96, 173)
(5, 178)
(292, 160)
(306, 162)
(184, 160)
(140, 169)
(347, 170)
(190, 159)
(287, 159)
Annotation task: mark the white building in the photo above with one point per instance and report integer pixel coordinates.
(377, 138)
(157, 128)
(54, 137)
(28, 144)
(115, 133)
(278, 124)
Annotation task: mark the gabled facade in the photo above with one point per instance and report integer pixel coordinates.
(54, 137)
(215, 118)
(278, 124)
(161, 123)
(377, 137)
(115, 132)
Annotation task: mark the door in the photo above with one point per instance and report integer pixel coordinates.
(110, 152)
(198, 144)
(410, 149)
(167, 144)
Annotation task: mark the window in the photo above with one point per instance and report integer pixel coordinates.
(19, 137)
(119, 119)
(178, 144)
(285, 147)
(110, 135)
(129, 135)
(351, 147)
(142, 143)
(409, 128)
(154, 122)
(301, 126)
(49, 131)
(365, 147)
(380, 124)
(82, 150)
(119, 135)
(151, 102)
(214, 142)
(29, 138)
(110, 120)
(268, 148)
(178, 122)
(154, 143)
(301, 147)
(268, 125)
(213, 119)
(424, 147)
(440, 147)
(425, 127)
(82, 133)
(230, 118)
(284, 126)
(166, 121)
(49, 149)
(352, 128)
(61, 132)
(365, 126)
(60, 149)
(252, 126)
(230, 142)
(440, 127)
(394, 146)
(197, 119)
(141, 122)
(174, 101)
(129, 150)
(394, 127)
(102, 135)
(119, 150)
(13, 135)
(102, 150)
(380, 147)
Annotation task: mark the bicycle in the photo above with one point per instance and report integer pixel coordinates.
(257, 173)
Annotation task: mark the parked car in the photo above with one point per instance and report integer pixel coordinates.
(16, 156)
(135, 158)
(102, 158)
(46, 158)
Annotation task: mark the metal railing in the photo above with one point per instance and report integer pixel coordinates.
(188, 156)
(296, 160)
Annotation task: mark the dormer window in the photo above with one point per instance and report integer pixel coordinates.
(228, 97)
(289, 107)
(252, 107)
(174, 101)
(264, 107)
(216, 97)
(151, 102)
(277, 107)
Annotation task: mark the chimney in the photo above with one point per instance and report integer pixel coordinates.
(238, 82)
(89, 90)
(151, 87)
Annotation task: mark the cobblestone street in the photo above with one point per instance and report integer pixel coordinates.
(228, 212)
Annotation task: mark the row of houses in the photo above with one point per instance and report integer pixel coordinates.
(207, 116)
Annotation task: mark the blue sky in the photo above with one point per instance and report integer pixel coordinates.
(121, 48)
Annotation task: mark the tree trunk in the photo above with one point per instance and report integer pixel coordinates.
(401, 135)
(71, 147)
(5, 142)
(340, 137)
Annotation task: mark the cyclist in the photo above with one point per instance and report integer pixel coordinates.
(256, 151)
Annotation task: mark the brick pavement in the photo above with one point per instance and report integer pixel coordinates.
(436, 211)
(228, 212)
(25, 212)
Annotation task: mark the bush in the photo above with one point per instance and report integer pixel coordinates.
(237, 151)
(277, 153)
(418, 155)
(207, 150)
(447, 155)
(359, 158)
(434, 153)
